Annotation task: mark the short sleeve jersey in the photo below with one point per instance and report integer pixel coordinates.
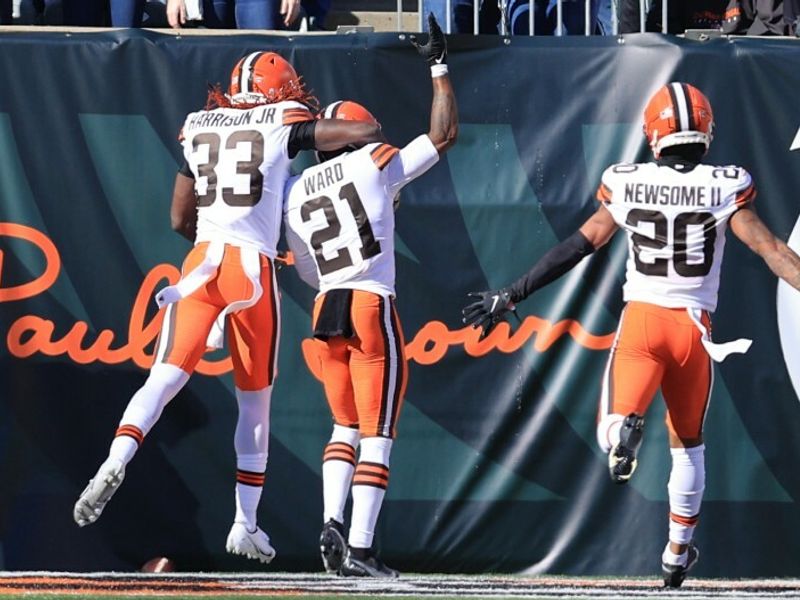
(240, 162)
(675, 223)
(339, 215)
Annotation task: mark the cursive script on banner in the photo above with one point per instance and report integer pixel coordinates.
(32, 334)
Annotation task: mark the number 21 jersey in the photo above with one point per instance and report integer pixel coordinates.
(675, 222)
(339, 215)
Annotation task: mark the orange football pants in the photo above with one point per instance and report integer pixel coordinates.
(365, 376)
(252, 332)
(659, 347)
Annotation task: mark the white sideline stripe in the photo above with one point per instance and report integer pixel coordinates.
(453, 585)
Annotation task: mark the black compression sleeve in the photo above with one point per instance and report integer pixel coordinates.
(301, 137)
(185, 170)
(557, 261)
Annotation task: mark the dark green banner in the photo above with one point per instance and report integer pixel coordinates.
(496, 466)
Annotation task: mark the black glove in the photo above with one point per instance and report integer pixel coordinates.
(488, 310)
(435, 51)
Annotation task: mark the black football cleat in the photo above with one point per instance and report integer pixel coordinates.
(675, 574)
(332, 545)
(368, 566)
(622, 457)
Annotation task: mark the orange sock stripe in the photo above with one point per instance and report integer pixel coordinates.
(379, 482)
(688, 521)
(373, 472)
(351, 460)
(342, 447)
(373, 466)
(130, 431)
(250, 478)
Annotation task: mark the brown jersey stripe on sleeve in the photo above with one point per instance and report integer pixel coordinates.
(131, 431)
(296, 115)
(383, 154)
(746, 196)
(604, 193)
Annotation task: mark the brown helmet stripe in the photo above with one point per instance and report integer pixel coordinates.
(246, 75)
(692, 123)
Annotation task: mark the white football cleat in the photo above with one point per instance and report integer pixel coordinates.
(250, 544)
(101, 487)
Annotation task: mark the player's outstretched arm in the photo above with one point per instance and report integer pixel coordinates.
(332, 134)
(490, 307)
(782, 260)
(444, 112)
(183, 211)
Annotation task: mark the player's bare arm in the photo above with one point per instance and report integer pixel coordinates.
(781, 259)
(183, 211)
(444, 112)
(332, 134)
(490, 307)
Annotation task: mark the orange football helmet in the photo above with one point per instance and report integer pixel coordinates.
(262, 75)
(349, 111)
(678, 113)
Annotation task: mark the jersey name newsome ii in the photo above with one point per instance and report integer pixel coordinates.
(339, 215)
(240, 162)
(675, 222)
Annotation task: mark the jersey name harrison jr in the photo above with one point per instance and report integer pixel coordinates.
(672, 195)
(220, 119)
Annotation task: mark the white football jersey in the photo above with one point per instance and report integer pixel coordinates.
(675, 222)
(240, 161)
(339, 215)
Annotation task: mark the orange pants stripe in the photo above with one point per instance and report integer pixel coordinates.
(252, 332)
(658, 347)
(365, 376)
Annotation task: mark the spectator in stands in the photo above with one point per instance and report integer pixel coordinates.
(80, 13)
(463, 16)
(6, 12)
(242, 14)
(761, 17)
(681, 15)
(138, 13)
(545, 16)
(791, 15)
(316, 13)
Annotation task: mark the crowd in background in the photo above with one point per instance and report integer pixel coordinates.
(740, 17)
(217, 14)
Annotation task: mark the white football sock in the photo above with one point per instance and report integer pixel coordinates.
(369, 487)
(251, 442)
(145, 408)
(338, 464)
(687, 481)
(608, 430)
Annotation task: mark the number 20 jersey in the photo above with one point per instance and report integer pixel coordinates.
(339, 215)
(240, 162)
(675, 222)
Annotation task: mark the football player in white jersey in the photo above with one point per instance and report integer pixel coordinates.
(228, 200)
(339, 218)
(675, 212)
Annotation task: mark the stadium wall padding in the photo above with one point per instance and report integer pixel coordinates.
(496, 466)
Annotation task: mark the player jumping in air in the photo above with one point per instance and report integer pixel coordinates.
(675, 212)
(228, 200)
(340, 226)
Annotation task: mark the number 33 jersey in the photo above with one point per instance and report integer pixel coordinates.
(240, 162)
(675, 222)
(339, 215)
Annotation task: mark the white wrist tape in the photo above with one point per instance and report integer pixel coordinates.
(438, 70)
